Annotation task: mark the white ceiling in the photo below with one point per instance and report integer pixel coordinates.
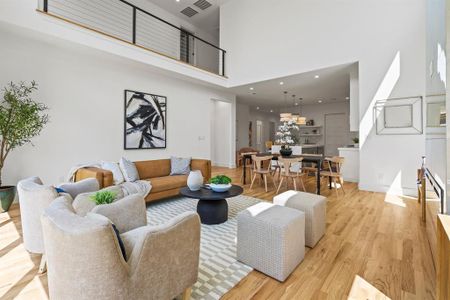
(207, 19)
(333, 85)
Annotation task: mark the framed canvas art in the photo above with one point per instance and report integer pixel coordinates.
(145, 121)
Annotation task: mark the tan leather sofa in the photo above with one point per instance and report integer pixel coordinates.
(157, 171)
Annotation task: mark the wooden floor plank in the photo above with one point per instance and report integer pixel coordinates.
(371, 235)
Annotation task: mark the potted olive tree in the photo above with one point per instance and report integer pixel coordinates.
(21, 119)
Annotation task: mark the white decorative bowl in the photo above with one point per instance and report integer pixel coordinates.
(220, 188)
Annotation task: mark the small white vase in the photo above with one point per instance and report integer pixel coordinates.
(195, 180)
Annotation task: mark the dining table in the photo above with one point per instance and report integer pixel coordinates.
(316, 159)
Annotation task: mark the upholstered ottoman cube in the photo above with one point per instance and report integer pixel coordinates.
(271, 239)
(315, 209)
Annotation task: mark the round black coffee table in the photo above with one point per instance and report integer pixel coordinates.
(212, 207)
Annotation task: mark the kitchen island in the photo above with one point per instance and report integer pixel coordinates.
(350, 168)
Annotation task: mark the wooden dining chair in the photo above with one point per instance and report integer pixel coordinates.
(262, 166)
(289, 171)
(332, 169)
(247, 165)
(239, 157)
(312, 169)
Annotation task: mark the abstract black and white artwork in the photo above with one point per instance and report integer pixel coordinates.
(145, 120)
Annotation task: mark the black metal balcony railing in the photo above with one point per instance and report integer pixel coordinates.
(125, 21)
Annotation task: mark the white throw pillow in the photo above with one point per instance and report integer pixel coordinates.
(129, 170)
(115, 169)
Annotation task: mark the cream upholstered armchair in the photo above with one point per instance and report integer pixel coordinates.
(34, 197)
(85, 260)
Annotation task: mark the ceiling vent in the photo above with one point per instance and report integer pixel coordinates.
(202, 4)
(188, 11)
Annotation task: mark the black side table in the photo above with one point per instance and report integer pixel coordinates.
(212, 207)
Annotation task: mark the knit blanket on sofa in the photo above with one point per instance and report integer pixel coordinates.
(139, 186)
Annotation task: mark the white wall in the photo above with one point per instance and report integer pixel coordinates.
(447, 26)
(386, 37)
(84, 89)
(435, 79)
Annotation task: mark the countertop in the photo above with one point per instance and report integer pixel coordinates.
(311, 146)
(348, 148)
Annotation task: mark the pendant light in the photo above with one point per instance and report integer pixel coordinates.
(285, 116)
(300, 120)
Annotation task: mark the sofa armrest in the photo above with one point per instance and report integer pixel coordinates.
(127, 213)
(104, 177)
(204, 165)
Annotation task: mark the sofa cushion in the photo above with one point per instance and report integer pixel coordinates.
(168, 182)
(180, 165)
(115, 169)
(129, 170)
(153, 168)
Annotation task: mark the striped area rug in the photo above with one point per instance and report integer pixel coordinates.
(219, 271)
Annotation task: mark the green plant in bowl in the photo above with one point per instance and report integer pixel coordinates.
(104, 197)
(220, 179)
(220, 183)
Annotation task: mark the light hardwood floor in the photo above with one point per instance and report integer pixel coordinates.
(379, 238)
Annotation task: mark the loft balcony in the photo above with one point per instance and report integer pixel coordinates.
(125, 22)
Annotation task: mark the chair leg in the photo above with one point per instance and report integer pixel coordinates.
(274, 183)
(303, 184)
(295, 183)
(253, 180)
(335, 187)
(265, 181)
(341, 180)
(187, 294)
(43, 264)
(279, 185)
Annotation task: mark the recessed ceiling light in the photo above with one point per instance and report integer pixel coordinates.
(271, 110)
(347, 98)
(257, 107)
(251, 89)
(317, 76)
(281, 82)
(296, 104)
(320, 101)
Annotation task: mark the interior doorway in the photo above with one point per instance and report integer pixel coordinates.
(221, 133)
(259, 135)
(337, 128)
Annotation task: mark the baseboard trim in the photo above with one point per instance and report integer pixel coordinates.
(224, 165)
(404, 191)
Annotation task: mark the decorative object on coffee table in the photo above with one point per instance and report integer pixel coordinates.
(145, 120)
(220, 183)
(212, 206)
(195, 180)
(21, 119)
